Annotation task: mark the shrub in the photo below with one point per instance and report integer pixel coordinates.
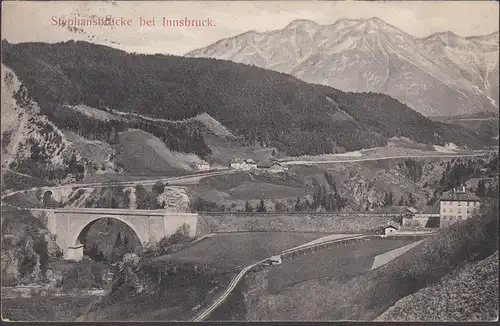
(181, 236)
(85, 274)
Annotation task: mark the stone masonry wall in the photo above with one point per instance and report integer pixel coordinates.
(353, 223)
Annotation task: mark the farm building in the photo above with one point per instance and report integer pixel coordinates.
(412, 218)
(456, 205)
(271, 165)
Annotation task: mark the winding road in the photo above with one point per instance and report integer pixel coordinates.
(207, 311)
(195, 178)
(305, 247)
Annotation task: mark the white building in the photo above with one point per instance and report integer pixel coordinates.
(245, 165)
(456, 205)
(200, 166)
(390, 229)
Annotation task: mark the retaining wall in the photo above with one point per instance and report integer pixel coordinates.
(345, 223)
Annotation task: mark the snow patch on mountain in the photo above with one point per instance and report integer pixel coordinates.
(440, 74)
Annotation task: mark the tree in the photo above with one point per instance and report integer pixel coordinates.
(411, 200)
(298, 205)
(119, 241)
(100, 257)
(248, 207)
(72, 165)
(279, 207)
(481, 189)
(158, 188)
(388, 199)
(93, 251)
(262, 207)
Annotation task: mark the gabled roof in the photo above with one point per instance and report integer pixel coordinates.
(459, 196)
(412, 210)
(268, 164)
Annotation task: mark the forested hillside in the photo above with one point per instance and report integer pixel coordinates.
(270, 108)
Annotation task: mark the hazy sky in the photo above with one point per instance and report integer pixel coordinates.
(24, 21)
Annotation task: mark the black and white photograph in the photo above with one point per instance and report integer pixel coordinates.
(267, 161)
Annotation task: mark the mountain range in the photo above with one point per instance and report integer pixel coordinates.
(443, 74)
(76, 104)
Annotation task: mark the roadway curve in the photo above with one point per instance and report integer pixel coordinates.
(205, 313)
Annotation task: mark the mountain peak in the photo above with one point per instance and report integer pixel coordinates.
(301, 23)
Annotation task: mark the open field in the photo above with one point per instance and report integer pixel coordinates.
(341, 262)
(236, 250)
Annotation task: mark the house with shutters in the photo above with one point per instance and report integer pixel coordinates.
(456, 205)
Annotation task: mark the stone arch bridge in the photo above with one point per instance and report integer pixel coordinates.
(149, 225)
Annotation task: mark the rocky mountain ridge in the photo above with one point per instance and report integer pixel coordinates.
(441, 74)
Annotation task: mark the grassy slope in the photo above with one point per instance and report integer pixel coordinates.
(367, 295)
(241, 186)
(342, 262)
(141, 153)
(467, 294)
(228, 251)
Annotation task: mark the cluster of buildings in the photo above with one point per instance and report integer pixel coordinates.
(271, 165)
(200, 166)
(455, 205)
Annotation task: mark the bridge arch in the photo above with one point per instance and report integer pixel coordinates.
(82, 230)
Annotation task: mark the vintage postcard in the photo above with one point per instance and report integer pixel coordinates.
(249, 161)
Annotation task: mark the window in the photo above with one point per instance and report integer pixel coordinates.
(444, 210)
(459, 210)
(468, 203)
(459, 217)
(468, 210)
(459, 203)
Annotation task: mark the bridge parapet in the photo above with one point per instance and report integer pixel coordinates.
(68, 223)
